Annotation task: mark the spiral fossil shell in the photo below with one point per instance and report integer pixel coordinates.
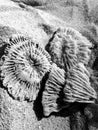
(24, 65)
(68, 47)
(77, 87)
(52, 90)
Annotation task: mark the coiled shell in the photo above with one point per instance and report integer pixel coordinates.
(53, 86)
(24, 65)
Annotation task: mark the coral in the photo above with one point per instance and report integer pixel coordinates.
(68, 47)
(70, 51)
(78, 87)
(23, 66)
(53, 87)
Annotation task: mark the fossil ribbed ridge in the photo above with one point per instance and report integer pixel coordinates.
(53, 86)
(23, 67)
(77, 87)
(68, 47)
(70, 52)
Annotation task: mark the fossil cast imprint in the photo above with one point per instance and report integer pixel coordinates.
(71, 52)
(53, 86)
(23, 66)
(68, 47)
(25, 63)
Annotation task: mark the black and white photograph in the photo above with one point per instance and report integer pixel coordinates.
(48, 64)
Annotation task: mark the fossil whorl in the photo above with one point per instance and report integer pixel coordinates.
(23, 67)
(53, 87)
(67, 47)
(77, 87)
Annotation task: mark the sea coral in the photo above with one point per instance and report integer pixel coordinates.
(70, 87)
(23, 66)
(53, 87)
(70, 52)
(77, 87)
(68, 47)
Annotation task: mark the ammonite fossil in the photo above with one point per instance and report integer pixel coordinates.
(53, 87)
(23, 66)
(68, 47)
(78, 87)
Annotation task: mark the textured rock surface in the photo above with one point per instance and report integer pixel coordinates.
(79, 14)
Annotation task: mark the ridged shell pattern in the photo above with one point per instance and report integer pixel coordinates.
(77, 87)
(70, 52)
(53, 86)
(68, 47)
(23, 67)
